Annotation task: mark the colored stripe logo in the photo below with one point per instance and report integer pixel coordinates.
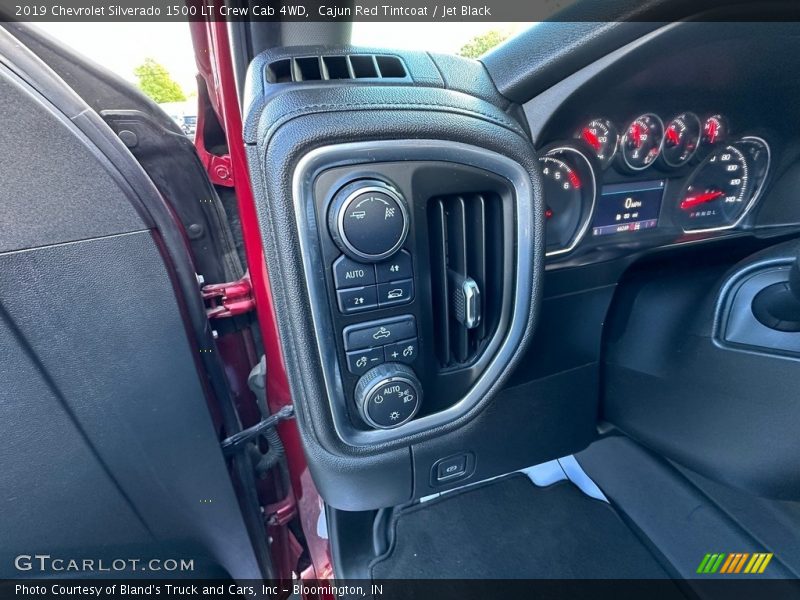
(735, 562)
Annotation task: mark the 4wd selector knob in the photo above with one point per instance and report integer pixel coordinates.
(388, 395)
(368, 220)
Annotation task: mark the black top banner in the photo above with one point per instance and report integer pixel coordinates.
(395, 10)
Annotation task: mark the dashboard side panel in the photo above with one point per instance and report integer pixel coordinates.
(547, 421)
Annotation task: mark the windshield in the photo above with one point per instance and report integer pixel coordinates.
(465, 39)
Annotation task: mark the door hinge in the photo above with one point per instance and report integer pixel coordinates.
(229, 299)
(218, 167)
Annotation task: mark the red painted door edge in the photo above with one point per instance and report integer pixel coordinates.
(212, 50)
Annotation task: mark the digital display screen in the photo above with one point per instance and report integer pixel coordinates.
(628, 207)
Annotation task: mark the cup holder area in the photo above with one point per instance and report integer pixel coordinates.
(759, 313)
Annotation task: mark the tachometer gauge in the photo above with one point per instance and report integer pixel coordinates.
(570, 189)
(681, 139)
(715, 130)
(724, 186)
(601, 136)
(641, 143)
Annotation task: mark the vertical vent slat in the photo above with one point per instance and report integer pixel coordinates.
(456, 213)
(438, 247)
(466, 241)
(477, 252)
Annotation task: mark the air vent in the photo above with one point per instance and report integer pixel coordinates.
(328, 68)
(466, 242)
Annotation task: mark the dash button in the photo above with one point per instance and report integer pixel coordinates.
(348, 273)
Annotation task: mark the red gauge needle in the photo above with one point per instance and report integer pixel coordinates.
(673, 137)
(591, 139)
(711, 132)
(700, 199)
(636, 135)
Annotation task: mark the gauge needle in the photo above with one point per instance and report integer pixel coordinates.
(636, 135)
(700, 199)
(711, 131)
(673, 137)
(591, 139)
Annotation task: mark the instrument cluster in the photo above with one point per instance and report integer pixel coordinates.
(689, 175)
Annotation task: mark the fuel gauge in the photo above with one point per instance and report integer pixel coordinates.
(715, 130)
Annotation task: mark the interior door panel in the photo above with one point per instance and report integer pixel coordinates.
(108, 443)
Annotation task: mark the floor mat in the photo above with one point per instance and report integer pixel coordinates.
(510, 529)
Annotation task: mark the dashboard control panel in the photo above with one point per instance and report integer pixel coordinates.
(399, 243)
(369, 222)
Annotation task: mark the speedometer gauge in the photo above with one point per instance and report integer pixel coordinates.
(602, 137)
(724, 186)
(641, 143)
(570, 188)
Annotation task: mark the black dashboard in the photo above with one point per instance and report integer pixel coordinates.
(449, 264)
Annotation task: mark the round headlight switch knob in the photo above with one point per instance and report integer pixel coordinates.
(368, 220)
(388, 396)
